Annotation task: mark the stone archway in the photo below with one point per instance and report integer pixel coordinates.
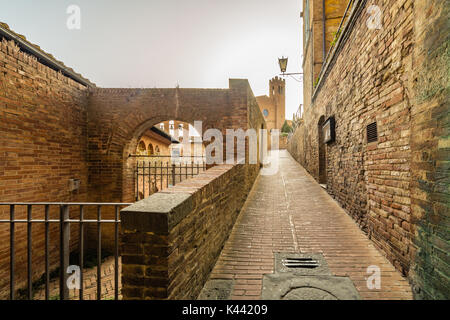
(129, 163)
(117, 118)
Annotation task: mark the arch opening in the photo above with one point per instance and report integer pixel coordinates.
(157, 168)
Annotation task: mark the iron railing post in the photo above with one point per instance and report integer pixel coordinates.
(81, 251)
(99, 253)
(47, 256)
(29, 254)
(173, 174)
(143, 179)
(12, 253)
(116, 255)
(137, 181)
(64, 252)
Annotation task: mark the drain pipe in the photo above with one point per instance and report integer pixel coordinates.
(323, 32)
(42, 58)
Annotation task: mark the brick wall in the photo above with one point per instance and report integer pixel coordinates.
(117, 118)
(430, 150)
(54, 129)
(171, 240)
(42, 145)
(387, 186)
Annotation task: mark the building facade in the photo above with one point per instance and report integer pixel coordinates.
(374, 129)
(273, 107)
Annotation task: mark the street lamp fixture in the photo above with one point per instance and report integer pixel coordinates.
(283, 66)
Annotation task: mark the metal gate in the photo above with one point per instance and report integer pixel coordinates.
(154, 174)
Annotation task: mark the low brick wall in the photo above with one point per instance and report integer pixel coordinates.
(170, 241)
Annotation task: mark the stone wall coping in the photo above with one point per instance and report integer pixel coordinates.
(163, 210)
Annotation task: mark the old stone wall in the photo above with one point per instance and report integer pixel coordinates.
(43, 144)
(393, 187)
(430, 150)
(172, 239)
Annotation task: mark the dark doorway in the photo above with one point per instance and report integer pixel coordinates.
(322, 153)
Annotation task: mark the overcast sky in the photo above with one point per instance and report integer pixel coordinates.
(162, 43)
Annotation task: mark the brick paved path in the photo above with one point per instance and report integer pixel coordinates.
(290, 212)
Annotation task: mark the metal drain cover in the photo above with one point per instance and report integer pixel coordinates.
(301, 263)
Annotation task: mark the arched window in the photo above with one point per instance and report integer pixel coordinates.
(141, 147)
(150, 149)
(157, 150)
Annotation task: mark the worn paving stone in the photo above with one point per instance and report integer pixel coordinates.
(289, 212)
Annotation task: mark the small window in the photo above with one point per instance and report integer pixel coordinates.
(372, 132)
(265, 112)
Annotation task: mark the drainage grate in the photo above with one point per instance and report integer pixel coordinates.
(301, 263)
(308, 263)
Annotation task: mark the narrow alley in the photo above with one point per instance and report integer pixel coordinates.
(290, 212)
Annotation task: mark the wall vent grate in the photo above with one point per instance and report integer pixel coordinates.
(372, 132)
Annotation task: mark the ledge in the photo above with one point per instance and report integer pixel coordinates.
(163, 210)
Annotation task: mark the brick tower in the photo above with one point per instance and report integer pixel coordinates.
(277, 90)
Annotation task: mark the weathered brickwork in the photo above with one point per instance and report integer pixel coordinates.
(430, 150)
(55, 129)
(397, 187)
(172, 239)
(118, 118)
(42, 145)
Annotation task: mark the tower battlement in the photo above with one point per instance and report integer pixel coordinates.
(277, 87)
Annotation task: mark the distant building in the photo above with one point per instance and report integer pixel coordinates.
(273, 106)
(177, 130)
(155, 142)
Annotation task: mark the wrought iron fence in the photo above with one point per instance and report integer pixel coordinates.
(63, 222)
(154, 175)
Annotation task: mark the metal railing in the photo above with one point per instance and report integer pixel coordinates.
(64, 222)
(154, 176)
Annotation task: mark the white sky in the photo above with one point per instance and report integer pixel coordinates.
(162, 43)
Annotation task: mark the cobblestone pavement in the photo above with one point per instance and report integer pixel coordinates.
(291, 212)
(90, 284)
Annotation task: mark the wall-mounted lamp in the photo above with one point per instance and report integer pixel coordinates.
(283, 66)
